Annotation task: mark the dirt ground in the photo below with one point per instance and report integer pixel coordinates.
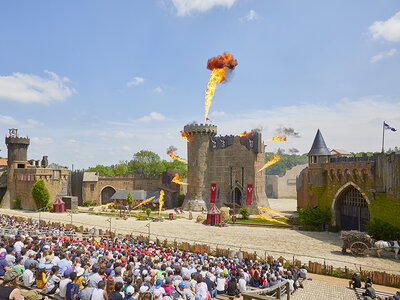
(305, 246)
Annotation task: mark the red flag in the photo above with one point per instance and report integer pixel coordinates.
(249, 194)
(213, 190)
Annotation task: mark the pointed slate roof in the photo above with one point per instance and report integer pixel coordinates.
(319, 146)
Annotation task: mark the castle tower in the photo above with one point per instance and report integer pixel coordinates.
(318, 155)
(17, 147)
(198, 136)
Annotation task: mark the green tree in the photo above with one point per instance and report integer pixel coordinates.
(40, 194)
(286, 162)
(245, 213)
(129, 199)
(102, 170)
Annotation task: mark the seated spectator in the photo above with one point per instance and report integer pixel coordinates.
(184, 293)
(64, 282)
(130, 291)
(110, 285)
(41, 277)
(53, 281)
(3, 264)
(28, 278)
(9, 288)
(369, 292)
(355, 281)
(232, 289)
(18, 266)
(99, 293)
(116, 294)
(255, 280)
(86, 292)
(72, 291)
(242, 283)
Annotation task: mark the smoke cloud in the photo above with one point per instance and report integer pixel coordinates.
(171, 149)
(294, 150)
(288, 131)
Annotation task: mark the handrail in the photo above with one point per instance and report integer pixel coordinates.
(259, 294)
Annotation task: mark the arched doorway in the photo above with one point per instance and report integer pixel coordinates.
(351, 210)
(106, 194)
(237, 196)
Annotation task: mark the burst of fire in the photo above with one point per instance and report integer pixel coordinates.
(272, 212)
(161, 201)
(269, 219)
(218, 65)
(177, 179)
(277, 138)
(174, 157)
(144, 202)
(184, 136)
(245, 133)
(270, 162)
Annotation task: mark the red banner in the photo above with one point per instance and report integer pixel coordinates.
(213, 190)
(249, 194)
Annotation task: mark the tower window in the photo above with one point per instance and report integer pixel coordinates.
(92, 187)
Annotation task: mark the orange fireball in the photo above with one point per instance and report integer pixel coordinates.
(174, 157)
(245, 133)
(218, 65)
(177, 179)
(184, 136)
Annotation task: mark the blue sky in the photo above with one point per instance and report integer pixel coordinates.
(96, 81)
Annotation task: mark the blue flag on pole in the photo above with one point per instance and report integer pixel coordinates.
(388, 127)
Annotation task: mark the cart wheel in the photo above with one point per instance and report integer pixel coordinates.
(359, 248)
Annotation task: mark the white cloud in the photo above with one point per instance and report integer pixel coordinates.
(124, 134)
(42, 140)
(135, 81)
(186, 7)
(29, 88)
(251, 16)
(153, 116)
(382, 55)
(218, 114)
(7, 120)
(158, 90)
(388, 30)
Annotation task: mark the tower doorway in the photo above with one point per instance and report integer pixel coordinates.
(106, 194)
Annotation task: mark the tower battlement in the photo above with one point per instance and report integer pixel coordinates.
(200, 129)
(17, 140)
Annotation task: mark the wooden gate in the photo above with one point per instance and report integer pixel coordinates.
(354, 211)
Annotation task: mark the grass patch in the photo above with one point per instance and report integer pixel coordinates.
(259, 221)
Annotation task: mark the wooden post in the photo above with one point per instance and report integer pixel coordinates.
(287, 291)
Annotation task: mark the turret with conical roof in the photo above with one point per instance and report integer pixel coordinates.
(319, 152)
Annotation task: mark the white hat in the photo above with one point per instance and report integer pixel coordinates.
(130, 290)
(143, 289)
(144, 272)
(79, 271)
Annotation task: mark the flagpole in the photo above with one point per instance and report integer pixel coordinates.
(383, 138)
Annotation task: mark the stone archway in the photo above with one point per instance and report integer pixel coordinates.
(350, 208)
(106, 194)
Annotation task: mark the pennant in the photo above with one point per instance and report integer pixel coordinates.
(213, 192)
(249, 194)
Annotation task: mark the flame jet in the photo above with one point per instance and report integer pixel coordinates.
(170, 152)
(184, 136)
(177, 179)
(277, 138)
(218, 65)
(161, 201)
(273, 160)
(245, 133)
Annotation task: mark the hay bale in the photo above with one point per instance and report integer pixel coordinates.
(224, 212)
(201, 218)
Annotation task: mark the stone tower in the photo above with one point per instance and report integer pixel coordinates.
(198, 136)
(318, 155)
(17, 147)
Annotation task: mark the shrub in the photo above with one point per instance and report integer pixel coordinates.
(40, 194)
(148, 211)
(314, 217)
(381, 230)
(245, 213)
(129, 199)
(17, 203)
(87, 203)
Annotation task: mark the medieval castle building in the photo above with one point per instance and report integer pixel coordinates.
(223, 169)
(356, 189)
(22, 174)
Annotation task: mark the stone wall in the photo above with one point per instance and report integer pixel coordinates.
(284, 186)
